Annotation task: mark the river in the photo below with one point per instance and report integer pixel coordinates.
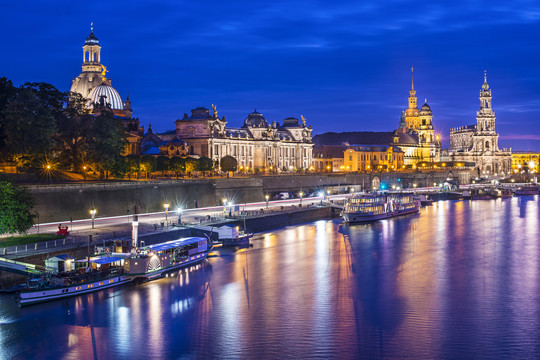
(458, 280)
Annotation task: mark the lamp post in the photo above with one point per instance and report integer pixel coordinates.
(93, 215)
(267, 197)
(301, 195)
(166, 206)
(84, 173)
(321, 194)
(179, 213)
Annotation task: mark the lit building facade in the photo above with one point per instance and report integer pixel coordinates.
(525, 161)
(416, 135)
(480, 143)
(257, 145)
(373, 158)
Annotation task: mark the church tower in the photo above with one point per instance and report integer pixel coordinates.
(93, 72)
(412, 114)
(485, 139)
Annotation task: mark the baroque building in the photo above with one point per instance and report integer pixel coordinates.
(416, 135)
(94, 86)
(257, 145)
(479, 143)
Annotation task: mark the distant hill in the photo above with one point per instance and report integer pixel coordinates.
(354, 138)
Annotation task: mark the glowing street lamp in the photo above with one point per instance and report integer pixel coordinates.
(166, 206)
(179, 213)
(301, 195)
(321, 194)
(93, 215)
(267, 197)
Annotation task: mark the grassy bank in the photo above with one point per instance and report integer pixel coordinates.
(27, 239)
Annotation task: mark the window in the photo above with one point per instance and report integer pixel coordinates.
(350, 157)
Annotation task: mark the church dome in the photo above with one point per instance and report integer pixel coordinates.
(255, 119)
(425, 110)
(91, 39)
(109, 94)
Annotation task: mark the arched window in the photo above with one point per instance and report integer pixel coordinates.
(487, 145)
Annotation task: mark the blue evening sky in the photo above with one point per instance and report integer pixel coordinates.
(344, 65)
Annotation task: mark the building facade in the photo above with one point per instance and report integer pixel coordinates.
(528, 161)
(416, 136)
(480, 143)
(373, 158)
(257, 145)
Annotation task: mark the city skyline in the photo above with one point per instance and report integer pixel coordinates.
(286, 59)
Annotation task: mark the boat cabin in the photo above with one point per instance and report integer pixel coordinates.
(60, 263)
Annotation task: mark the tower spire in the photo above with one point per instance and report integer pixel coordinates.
(412, 78)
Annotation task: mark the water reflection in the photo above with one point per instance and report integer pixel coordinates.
(459, 280)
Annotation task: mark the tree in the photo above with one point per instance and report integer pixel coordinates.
(29, 125)
(163, 164)
(7, 91)
(74, 131)
(178, 165)
(205, 164)
(107, 144)
(133, 165)
(16, 205)
(228, 163)
(148, 164)
(191, 165)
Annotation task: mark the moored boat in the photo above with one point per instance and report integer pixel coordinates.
(76, 277)
(83, 276)
(152, 261)
(527, 190)
(378, 206)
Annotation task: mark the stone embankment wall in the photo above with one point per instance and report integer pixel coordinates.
(62, 202)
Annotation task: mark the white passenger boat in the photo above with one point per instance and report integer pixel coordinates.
(152, 261)
(83, 276)
(372, 207)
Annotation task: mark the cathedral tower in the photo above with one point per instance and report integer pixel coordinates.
(485, 138)
(412, 113)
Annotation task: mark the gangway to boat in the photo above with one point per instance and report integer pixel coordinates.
(22, 268)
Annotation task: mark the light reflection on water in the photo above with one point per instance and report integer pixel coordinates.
(460, 280)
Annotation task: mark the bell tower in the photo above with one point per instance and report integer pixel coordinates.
(91, 52)
(93, 72)
(412, 114)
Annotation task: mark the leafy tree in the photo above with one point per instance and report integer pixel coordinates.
(29, 125)
(133, 165)
(148, 164)
(178, 165)
(7, 91)
(228, 163)
(16, 205)
(205, 164)
(74, 131)
(163, 163)
(107, 143)
(191, 165)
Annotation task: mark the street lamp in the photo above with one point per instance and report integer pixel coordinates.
(267, 197)
(84, 173)
(93, 215)
(301, 195)
(179, 213)
(321, 194)
(166, 206)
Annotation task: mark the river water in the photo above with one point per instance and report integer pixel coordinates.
(459, 280)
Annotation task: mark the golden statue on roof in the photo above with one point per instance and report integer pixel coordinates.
(303, 120)
(103, 71)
